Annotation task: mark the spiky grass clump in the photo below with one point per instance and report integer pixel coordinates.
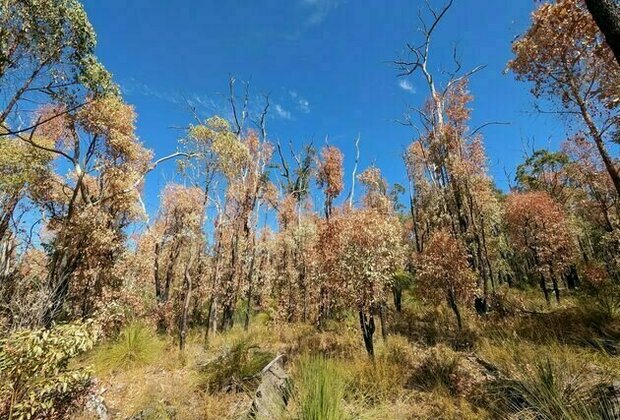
(319, 389)
(237, 366)
(374, 382)
(548, 382)
(136, 345)
(437, 371)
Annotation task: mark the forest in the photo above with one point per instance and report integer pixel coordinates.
(271, 283)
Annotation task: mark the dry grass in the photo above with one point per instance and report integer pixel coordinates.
(505, 365)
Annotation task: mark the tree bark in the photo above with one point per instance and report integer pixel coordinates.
(187, 291)
(543, 286)
(606, 14)
(367, 324)
(397, 291)
(382, 321)
(596, 136)
(455, 309)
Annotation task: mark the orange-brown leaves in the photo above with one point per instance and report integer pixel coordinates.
(442, 269)
(376, 190)
(112, 119)
(539, 228)
(366, 250)
(182, 209)
(330, 174)
(56, 126)
(564, 48)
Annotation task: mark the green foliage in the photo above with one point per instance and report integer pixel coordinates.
(136, 345)
(216, 137)
(48, 33)
(403, 280)
(535, 171)
(20, 165)
(35, 378)
(236, 367)
(319, 389)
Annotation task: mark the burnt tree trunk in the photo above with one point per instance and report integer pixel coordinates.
(455, 309)
(543, 286)
(397, 292)
(187, 296)
(382, 320)
(367, 324)
(62, 267)
(606, 14)
(556, 289)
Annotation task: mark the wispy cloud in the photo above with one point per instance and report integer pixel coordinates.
(319, 9)
(202, 103)
(406, 85)
(281, 112)
(301, 103)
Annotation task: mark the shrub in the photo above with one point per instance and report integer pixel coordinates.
(438, 371)
(544, 392)
(337, 343)
(605, 292)
(136, 345)
(35, 378)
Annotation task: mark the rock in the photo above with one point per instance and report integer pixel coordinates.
(273, 392)
(95, 404)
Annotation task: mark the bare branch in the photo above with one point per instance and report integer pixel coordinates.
(354, 173)
(489, 123)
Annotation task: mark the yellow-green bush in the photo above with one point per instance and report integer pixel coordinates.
(36, 380)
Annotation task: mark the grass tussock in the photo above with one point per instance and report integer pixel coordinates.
(136, 345)
(548, 382)
(437, 372)
(235, 367)
(319, 389)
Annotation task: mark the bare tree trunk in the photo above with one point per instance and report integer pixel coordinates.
(606, 14)
(556, 290)
(382, 320)
(61, 268)
(5, 259)
(187, 292)
(397, 291)
(248, 309)
(455, 309)
(543, 286)
(596, 136)
(367, 325)
(156, 275)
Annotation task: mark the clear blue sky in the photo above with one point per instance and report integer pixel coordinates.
(325, 64)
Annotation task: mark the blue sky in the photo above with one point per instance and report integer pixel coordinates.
(325, 64)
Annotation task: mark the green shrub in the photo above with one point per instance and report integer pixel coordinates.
(35, 378)
(136, 345)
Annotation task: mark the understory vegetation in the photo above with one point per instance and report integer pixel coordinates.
(358, 298)
(493, 368)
